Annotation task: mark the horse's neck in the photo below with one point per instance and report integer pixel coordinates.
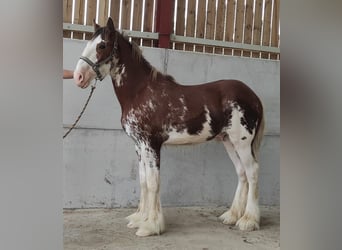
(130, 77)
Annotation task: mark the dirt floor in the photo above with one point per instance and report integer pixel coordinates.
(187, 228)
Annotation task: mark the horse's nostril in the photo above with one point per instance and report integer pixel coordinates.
(79, 77)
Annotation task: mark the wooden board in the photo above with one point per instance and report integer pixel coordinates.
(257, 26)
(115, 12)
(210, 24)
(275, 27)
(248, 26)
(148, 20)
(180, 22)
(200, 28)
(266, 26)
(79, 17)
(137, 15)
(190, 23)
(67, 11)
(91, 15)
(103, 12)
(221, 11)
(126, 14)
(230, 21)
(240, 11)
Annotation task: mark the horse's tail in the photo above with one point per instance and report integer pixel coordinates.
(258, 136)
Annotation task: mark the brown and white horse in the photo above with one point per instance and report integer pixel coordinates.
(156, 110)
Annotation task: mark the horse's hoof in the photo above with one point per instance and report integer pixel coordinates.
(248, 223)
(151, 227)
(229, 217)
(134, 220)
(144, 233)
(132, 225)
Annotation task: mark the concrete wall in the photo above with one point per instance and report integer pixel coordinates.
(100, 163)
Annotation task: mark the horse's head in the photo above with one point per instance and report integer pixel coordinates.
(99, 56)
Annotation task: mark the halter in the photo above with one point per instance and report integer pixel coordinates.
(97, 65)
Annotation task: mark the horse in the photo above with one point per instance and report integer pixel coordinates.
(157, 111)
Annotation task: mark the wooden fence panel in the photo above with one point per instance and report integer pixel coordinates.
(248, 26)
(115, 12)
(180, 22)
(221, 11)
(257, 26)
(275, 27)
(103, 12)
(210, 24)
(78, 17)
(190, 23)
(230, 21)
(137, 15)
(91, 15)
(148, 21)
(200, 28)
(238, 21)
(240, 11)
(67, 11)
(126, 14)
(266, 26)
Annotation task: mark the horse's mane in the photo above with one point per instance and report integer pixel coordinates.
(136, 53)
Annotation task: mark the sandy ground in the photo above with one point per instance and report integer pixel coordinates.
(187, 228)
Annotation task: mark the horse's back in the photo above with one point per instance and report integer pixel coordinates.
(227, 92)
(233, 89)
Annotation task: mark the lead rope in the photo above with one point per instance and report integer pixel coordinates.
(80, 115)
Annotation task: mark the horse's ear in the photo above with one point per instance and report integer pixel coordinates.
(96, 26)
(110, 24)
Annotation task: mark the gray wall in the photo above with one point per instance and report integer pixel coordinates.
(100, 164)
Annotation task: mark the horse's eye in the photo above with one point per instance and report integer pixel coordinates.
(102, 46)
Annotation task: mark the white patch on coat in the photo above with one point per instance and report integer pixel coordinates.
(181, 99)
(236, 130)
(118, 75)
(131, 123)
(151, 105)
(183, 137)
(184, 109)
(151, 90)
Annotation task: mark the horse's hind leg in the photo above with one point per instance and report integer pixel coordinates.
(237, 208)
(251, 218)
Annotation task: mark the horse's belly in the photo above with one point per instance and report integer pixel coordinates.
(183, 137)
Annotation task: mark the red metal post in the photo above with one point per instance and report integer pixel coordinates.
(163, 22)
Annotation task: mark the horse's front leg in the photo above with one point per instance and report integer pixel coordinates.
(154, 223)
(140, 215)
